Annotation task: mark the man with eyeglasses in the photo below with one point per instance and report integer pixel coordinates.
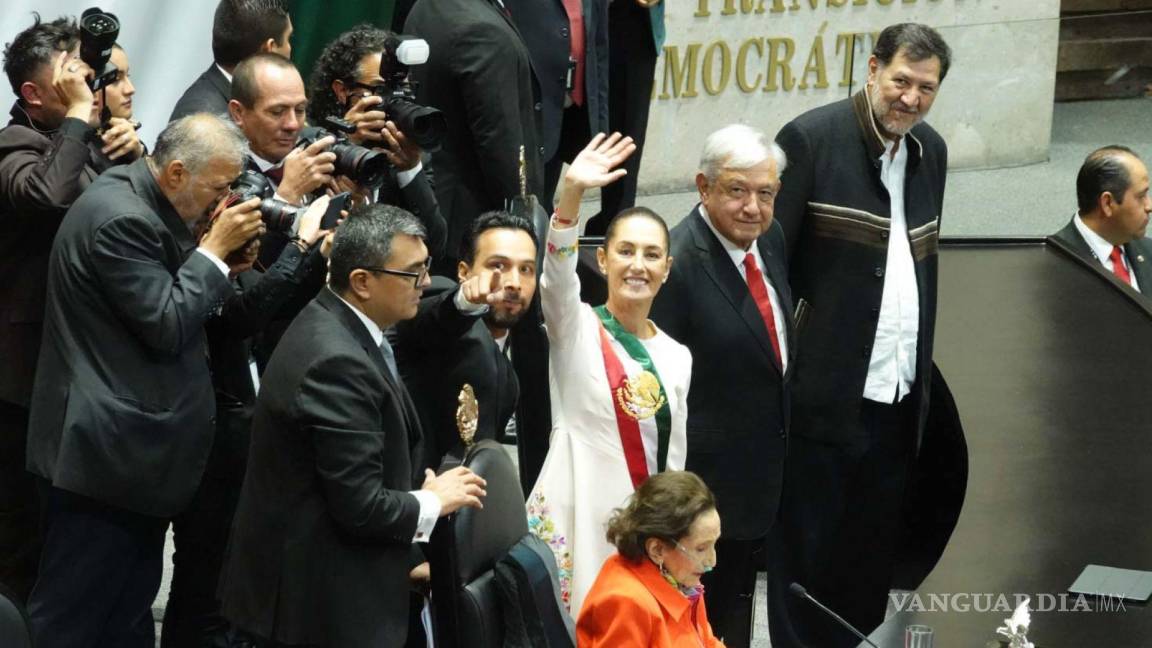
(343, 84)
(323, 546)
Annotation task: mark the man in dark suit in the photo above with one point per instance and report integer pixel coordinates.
(568, 43)
(446, 345)
(342, 85)
(727, 300)
(240, 28)
(121, 420)
(479, 73)
(860, 206)
(1112, 221)
(200, 533)
(49, 153)
(635, 40)
(323, 544)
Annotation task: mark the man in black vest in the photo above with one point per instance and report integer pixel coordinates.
(121, 421)
(860, 206)
(240, 28)
(1112, 222)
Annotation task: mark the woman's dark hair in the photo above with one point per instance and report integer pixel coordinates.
(636, 212)
(340, 60)
(664, 507)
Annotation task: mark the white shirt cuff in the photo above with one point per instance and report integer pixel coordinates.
(429, 513)
(405, 177)
(466, 307)
(215, 261)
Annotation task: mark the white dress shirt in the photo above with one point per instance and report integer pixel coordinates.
(892, 368)
(737, 253)
(1102, 249)
(429, 502)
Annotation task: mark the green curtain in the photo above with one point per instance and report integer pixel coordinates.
(318, 22)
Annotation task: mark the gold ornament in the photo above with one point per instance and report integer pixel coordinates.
(640, 397)
(467, 414)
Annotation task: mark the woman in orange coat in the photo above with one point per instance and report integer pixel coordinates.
(649, 594)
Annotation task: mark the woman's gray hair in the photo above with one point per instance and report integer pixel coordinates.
(198, 139)
(739, 146)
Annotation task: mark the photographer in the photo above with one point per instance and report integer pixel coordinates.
(49, 153)
(122, 407)
(192, 616)
(268, 104)
(346, 82)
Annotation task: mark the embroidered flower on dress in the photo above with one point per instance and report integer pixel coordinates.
(540, 524)
(563, 251)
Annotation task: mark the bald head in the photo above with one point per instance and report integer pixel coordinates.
(268, 104)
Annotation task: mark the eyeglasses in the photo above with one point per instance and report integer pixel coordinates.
(418, 277)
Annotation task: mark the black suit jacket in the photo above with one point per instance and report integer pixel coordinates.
(439, 351)
(122, 407)
(738, 400)
(322, 540)
(544, 26)
(479, 73)
(209, 93)
(40, 176)
(1138, 251)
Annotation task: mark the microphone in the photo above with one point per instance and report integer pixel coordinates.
(798, 590)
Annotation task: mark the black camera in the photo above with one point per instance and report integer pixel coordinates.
(424, 125)
(98, 33)
(363, 165)
(276, 214)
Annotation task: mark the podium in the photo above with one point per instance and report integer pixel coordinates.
(1049, 359)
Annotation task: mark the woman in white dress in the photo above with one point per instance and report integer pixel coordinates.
(619, 384)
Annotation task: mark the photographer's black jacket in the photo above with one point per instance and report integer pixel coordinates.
(42, 172)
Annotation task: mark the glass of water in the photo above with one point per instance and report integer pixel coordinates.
(918, 636)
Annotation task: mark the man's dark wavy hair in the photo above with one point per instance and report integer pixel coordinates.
(37, 45)
(339, 60)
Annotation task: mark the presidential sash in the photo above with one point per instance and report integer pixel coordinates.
(640, 402)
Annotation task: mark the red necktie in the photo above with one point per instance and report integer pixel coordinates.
(1118, 269)
(275, 174)
(576, 50)
(759, 293)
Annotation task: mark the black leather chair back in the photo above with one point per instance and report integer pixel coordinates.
(464, 550)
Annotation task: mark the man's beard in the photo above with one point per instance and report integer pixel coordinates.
(883, 115)
(503, 319)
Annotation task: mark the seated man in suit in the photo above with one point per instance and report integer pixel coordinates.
(727, 299)
(343, 84)
(323, 544)
(121, 422)
(1110, 226)
(446, 345)
(240, 28)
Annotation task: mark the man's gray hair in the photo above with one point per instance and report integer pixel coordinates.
(364, 240)
(198, 139)
(739, 146)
